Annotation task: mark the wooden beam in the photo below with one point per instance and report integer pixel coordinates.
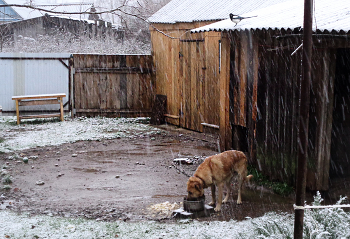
(39, 116)
(172, 116)
(225, 129)
(211, 125)
(44, 96)
(61, 108)
(111, 111)
(17, 112)
(32, 58)
(38, 102)
(63, 63)
(119, 70)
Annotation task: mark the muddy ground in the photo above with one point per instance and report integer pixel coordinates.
(120, 179)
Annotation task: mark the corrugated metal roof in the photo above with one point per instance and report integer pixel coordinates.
(7, 14)
(328, 15)
(206, 10)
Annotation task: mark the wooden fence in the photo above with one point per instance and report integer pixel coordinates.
(278, 117)
(113, 85)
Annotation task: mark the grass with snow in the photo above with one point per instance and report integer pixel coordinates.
(318, 223)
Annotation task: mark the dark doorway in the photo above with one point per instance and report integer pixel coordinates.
(340, 147)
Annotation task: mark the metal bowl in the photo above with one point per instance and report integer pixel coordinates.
(194, 205)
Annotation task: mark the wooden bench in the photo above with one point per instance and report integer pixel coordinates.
(26, 100)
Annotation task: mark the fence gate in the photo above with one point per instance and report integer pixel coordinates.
(113, 85)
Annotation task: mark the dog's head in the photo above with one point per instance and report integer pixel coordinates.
(195, 188)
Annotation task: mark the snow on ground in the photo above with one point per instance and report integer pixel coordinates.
(30, 134)
(24, 226)
(318, 223)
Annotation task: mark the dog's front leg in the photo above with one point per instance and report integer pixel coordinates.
(220, 192)
(213, 196)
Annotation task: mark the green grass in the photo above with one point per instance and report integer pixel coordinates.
(32, 121)
(280, 188)
(40, 121)
(6, 187)
(1, 141)
(7, 179)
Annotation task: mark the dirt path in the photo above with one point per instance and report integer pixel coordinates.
(119, 179)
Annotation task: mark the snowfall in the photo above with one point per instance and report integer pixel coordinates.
(318, 223)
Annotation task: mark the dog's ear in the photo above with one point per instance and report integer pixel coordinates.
(198, 186)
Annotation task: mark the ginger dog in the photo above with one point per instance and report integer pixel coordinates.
(219, 170)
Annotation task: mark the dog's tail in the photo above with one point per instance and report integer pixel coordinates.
(248, 178)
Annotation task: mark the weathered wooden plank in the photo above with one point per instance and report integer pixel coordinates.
(211, 86)
(243, 79)
(43, 96)
(193, 113)
(77, 90)
(17, 112)
(39, 102)
(180, 83)
(186, 89)
(112, 111)
(121, 70)
(236, 81)
(39, 116)
(261, 132)
(102, 90)
(225, 128)
(123, 94)
(331, 58)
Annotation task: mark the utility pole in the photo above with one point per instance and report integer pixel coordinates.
(304, 119)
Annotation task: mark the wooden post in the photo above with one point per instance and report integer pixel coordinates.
(304, 120)
(61, 108)
(225, 130)
(17, 112)
(71, 86)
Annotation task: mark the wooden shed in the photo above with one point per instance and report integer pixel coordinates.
(253, 71)
(189, 66)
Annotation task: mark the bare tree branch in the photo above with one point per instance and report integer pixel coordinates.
(112, 11)
(58, 12)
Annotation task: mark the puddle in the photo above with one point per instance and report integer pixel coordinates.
(263, 196)
(87, 170)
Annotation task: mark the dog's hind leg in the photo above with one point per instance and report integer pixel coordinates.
(220, 192)
(240, 184)
(213, 196)
(228, 192)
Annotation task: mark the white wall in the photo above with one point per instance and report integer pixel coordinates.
(32, 77)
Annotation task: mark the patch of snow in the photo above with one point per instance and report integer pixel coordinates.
(28, 135)
(324, 223)
(25, 226)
